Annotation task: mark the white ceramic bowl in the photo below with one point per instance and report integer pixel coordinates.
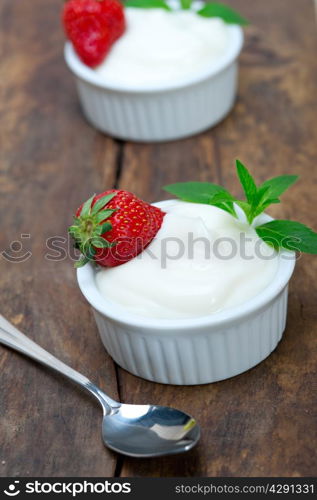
(160, 112)
(196, 350)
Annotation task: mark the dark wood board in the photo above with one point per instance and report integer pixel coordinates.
(51, 160)
(260, 423)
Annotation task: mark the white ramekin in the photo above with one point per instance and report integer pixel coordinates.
(196, 350)
(159, 112)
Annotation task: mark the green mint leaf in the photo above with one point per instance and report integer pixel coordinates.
(264, 205)
(222, 196)
(227, 14)
(288, 234)
(186, 4)
(203, 192)
(260, 196)
(86, 208)
(278, 185)
(256, 205)
(273, 201)
(224, 200)
(247, 182)
(102, 202)
(227, 207)
(147, 4)
(245, 207)
(195, 192)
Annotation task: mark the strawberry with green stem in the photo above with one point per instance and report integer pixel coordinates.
(113, 227)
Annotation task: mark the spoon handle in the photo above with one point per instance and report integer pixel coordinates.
(13, 338)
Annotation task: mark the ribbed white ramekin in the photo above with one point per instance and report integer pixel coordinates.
(196, 350)
(160, 112)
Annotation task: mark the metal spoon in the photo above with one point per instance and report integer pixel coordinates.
(134, 430)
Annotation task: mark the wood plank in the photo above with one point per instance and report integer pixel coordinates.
(261, 422)
(51, 161)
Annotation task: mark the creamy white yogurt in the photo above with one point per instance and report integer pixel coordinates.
(178, 276)
(159, 45)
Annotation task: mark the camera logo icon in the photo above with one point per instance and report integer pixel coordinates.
(12, 489)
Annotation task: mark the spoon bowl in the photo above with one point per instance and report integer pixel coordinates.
(134, 430)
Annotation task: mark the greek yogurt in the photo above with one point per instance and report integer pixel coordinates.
(159, 45)
(202, 260)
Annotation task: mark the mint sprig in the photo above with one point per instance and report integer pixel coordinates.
(214, 9)
(286, 234)
(258, 198)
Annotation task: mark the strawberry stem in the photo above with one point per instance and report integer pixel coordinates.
(89, 226)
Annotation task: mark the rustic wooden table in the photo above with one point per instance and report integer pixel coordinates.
(260, 423)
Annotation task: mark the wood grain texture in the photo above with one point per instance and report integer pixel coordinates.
(260, 423)
(51, 161)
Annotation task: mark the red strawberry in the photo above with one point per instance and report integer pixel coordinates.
(113, 227)
(93, 26)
